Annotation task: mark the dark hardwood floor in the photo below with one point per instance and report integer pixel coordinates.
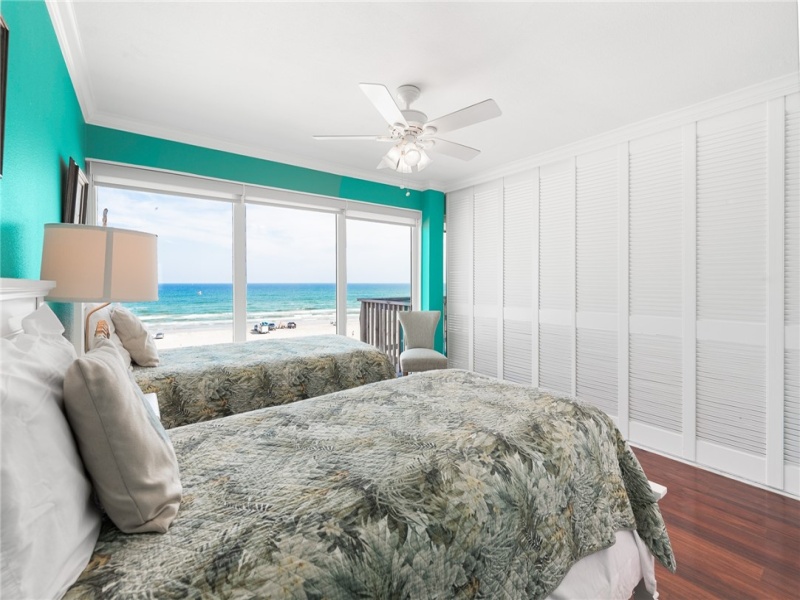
(731, 540)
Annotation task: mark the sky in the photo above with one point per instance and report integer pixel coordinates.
(283, 245)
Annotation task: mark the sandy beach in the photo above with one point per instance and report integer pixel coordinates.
(199, 336)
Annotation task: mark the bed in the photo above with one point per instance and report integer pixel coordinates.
(199, 383)
(445, 484)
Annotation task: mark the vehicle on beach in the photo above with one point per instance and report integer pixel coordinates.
(159, 336)
(291, 325)
(263, 327)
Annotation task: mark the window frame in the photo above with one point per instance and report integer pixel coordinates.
(240, 194)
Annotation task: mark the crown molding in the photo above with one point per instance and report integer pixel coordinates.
(761, 92)
(62, 16)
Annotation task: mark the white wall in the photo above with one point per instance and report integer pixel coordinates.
(654, 273)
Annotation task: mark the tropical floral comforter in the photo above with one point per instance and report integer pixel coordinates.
(206, 382)
(443, 484)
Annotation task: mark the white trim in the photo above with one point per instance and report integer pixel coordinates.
(656, 437)
(793, 473)
(689, 329)
(239, 258)
(761, 92)
(776, 166)
(341, 274)
(573, 261)
(62, 15)
(535, 282)
(416, 275)
(729, 460)
(733, 332)
(668, 326)
(623, 287)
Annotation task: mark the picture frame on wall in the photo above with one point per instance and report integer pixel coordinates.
(3, 80)
(76, 194)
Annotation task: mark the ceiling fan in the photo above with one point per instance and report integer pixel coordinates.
(412, 134)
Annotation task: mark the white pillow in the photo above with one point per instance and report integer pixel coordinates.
(49, 524)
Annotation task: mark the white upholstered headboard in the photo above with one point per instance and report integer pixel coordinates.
(20, 297)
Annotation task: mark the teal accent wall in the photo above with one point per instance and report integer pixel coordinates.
(433, 258)
(44, 128)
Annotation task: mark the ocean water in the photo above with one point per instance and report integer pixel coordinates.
(185, 305)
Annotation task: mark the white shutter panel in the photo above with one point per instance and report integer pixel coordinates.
(731, 287)
(596, 233)
(791, 407)
(555, 240)
(597, 368)
(519, 223)
(791, 374)
(655, 225)
(459, 278)
(517, 349)
(596, 220)
(731, 391)
(655, 270)
(485, 349)
(556, 276)
(732, 219)
(488, 245)
(457, 341)
(655, 381)
(555, 358)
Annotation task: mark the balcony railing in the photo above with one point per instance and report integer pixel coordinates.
(381, 327)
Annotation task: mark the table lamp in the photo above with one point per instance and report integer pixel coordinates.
(99, 264)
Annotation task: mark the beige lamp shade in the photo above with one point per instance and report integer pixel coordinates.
(99, 264)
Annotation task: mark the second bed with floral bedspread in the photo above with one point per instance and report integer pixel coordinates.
(206, 382)
(443, 485)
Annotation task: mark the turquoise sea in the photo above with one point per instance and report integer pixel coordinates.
(211, 304)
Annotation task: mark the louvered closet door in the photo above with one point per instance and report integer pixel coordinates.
(556, 276)
(731, 291)
(459, 278)
(655, 253)
(597, 241)
(791, 447)
(520, 204)
(487, 274)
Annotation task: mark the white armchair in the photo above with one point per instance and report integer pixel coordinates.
(419, 327)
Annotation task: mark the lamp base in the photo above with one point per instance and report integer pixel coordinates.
(86, 325)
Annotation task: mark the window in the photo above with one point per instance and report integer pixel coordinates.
(195, 292)
(235, 258)
(291, 272)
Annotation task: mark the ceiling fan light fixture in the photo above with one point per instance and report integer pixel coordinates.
(412, 155)
(424, 160)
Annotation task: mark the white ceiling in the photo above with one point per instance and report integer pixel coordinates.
(260, 78)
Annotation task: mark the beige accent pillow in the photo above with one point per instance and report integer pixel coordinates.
(125, 449)
(135, 337)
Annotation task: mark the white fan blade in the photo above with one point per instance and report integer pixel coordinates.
(383, 101)
(453, 149)
(482, 111)
(376, 138)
